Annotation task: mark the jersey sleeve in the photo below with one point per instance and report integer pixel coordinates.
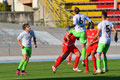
(74, 20)
(111, 24)
(33, 33)
(88, 19)
(20, 36)
(99, 26)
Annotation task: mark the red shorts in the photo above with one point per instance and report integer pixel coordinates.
(69, 49)
(91, 48)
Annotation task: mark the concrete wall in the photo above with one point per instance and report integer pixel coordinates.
(18, 6)
(17, 17)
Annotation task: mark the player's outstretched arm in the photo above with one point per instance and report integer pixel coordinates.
(88, 19)
(115, 33)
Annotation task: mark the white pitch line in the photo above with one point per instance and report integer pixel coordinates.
(47, 57)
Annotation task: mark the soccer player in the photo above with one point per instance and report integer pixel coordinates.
(24, 41)
(104, 30)
(92, 47)
(80, 29)
(68, 46)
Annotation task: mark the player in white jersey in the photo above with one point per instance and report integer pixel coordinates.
(26, 48)
(80, 29)
(104, 30)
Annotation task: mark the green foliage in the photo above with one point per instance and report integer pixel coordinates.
(4, 7)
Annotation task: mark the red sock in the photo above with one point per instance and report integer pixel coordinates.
(58, 61)
(76, 61)
(94, 62)
(86, 64)
(58, 58)
(69, 59)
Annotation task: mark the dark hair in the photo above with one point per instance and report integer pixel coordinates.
(24, 26)
(90, 24)
(104, 14)
(76, 10)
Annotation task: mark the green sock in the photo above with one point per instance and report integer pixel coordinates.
(83, 53)
(98, 63)
(105, 62)
(21, 63)
(24, 65)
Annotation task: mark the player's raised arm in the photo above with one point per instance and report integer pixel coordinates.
(88, 19)
(34, 40)
(115, 33)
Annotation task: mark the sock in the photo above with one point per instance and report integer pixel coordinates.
(21, 63)
(83, 53)
(86, 64)
(98, 64)
(69, 59)
(105, 62)
(58, 58)
(94, 62)
(58, 62)
(76, 61)
(24, 65)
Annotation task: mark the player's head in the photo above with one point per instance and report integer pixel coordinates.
(76, 10)
(90, 25)
(26, 27)
(104, 15)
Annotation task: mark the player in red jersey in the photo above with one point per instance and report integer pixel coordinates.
(92, 47)
(68, 46)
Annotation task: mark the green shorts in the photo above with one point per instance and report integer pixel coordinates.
(103, 48)
(80, 35)
(27, 51)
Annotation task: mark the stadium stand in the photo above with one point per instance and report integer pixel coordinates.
(91, 8)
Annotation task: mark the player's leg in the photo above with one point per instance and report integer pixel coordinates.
(75, 33)
(57, 59)
(88, 52)
(69, 59)
(24, 65)
(105, 69)
(78, 54)
(26, 58)
(83, 42)
(98, 56)
(22, 61)
(94, 60)
(62, 57)
(83, 52)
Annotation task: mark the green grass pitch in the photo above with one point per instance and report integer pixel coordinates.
(43, 71)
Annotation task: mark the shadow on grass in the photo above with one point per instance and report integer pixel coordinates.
(79, 78)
